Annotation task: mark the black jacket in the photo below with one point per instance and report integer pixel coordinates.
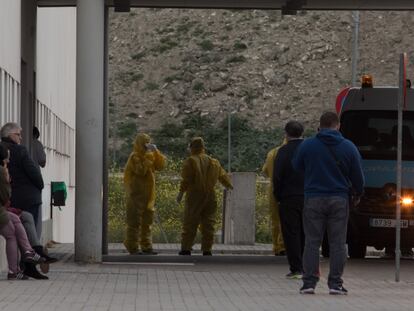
(26, 178)
(286, 181)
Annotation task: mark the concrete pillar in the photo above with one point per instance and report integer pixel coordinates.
(89, 130)
(239, 215)
(27, 69)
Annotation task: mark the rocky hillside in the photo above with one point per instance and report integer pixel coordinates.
(165, 64)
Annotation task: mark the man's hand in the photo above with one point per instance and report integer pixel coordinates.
(179, 197)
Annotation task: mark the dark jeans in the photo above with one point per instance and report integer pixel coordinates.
(320, 214)
(291, 210)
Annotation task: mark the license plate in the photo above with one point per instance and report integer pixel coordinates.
(387, 223)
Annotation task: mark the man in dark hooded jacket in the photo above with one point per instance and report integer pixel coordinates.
(331, 164)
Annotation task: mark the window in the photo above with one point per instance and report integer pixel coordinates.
(9, 98)
(375, 133)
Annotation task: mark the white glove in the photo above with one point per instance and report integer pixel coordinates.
(179, 197)
(151, 147)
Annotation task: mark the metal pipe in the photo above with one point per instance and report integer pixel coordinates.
(355, 48)
(229, 140)
(401, 99)
(254, 4)
(105, 166)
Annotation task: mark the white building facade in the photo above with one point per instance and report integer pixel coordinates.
(38, 88)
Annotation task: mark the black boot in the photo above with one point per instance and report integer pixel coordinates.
(184, 252)
(40, 250)
(31, 271)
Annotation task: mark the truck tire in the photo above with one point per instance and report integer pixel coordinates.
(356, 250)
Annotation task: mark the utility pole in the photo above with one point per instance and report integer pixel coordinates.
(355, 47)
(401, 104)
(229, 138)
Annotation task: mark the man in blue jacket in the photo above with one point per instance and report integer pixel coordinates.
(331, 165)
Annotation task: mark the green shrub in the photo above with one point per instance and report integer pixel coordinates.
(151, 86)
(185, 27)
(130, 76)
(164, 30)
(239, 46)
(236, 59)
(137, 77)
(198, 86)
(168, 220)
(132, 115)
(249, 145)
(166, 44)
(171, 78)
(198, 32)
(263, 220)
(206, 45)
(127, 129)
(138, 56)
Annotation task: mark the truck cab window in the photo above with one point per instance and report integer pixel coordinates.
(375, 133)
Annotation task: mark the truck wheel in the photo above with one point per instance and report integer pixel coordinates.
(356, 250)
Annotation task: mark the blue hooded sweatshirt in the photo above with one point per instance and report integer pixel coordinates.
(323, 176)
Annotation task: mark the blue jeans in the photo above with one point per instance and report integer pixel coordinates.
(36, 211)
(320, 214)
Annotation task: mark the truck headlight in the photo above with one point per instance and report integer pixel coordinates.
(407, 201)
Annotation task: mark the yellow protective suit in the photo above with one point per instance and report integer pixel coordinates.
(277, 237)
(139, 180)
(200, 174)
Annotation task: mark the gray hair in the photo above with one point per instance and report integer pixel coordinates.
(9, 128)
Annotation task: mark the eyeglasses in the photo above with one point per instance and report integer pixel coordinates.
(17, 134)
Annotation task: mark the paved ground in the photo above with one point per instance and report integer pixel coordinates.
(216, 284)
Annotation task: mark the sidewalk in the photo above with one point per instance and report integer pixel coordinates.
(205, 286)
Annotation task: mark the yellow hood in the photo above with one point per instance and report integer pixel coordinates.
(140, 141)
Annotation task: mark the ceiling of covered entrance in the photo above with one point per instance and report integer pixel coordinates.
(259, 4)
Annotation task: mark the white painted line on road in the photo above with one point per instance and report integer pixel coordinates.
(150, 263)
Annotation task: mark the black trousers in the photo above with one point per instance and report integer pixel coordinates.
(290, 210)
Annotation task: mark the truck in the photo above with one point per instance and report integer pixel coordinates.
(368, 117)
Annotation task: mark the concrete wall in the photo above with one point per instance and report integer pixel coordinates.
(10, 48)
(239, 215)
(10, 37)
(56, 93)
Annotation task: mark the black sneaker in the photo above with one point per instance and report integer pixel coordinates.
(184, 253)
(32, 257)
(305, 290)
(294, 275)
(207, 253)
(17, 276)
(31, 271)
(340, 290)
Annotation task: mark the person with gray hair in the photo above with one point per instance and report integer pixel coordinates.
(27, 179)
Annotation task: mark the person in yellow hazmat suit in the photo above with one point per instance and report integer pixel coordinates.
(139, 180)
(200, 174)
(277, 237)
